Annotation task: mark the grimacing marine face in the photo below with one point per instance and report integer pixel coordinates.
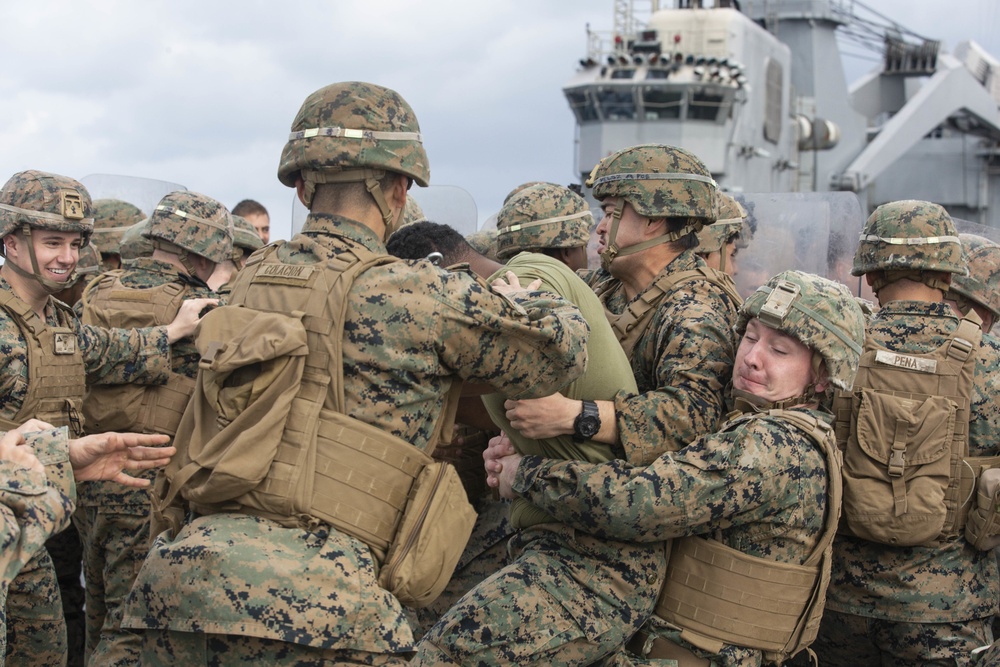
(771, 364)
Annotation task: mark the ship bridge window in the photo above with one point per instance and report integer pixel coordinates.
(622, 73)
(658, 73)
(582, 105)
(617, 103)
(660, 104)
(705, 105)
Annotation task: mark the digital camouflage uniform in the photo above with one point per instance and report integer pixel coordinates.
(241, 585)
(34, 506)
(759, 485)
(917, 605)
(112, 218)
(541, 217)
(567, 598)
(36, 625)
(114, 520)
(134, 244)
(981, 288)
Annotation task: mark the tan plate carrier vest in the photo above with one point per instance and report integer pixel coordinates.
(328, 467)
(109, 304)
(56, 372)
(904, 434)
(632, 323)
(718, 595)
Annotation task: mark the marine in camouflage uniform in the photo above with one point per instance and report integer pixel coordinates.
(114, 521)
(112, 217)
(980, 290)
(919, 605)
(758, 487)
(245, 587)
(679, 339)
(38, 202)
(245, 243)
(718, 242)
(135, 244)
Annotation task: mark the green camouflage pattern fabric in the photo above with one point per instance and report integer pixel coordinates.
(758, 486)
(111, 218)
(245, 237)
(351, 125)
(195, 222)
(45, 201)
(135, 244)
(485, 243)
(919, 585)
(89, 264)
(112, 356)
(982, 285)
(32, 511)
(682, 363)
(113, 520)
(909, 235)
(728, 226)
(522, 186)
(411, 330)
(659, 181)
(542, 216)
(823, 315)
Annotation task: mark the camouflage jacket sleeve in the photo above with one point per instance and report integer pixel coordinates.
(124, 356)
(525, 347)
(762, 479)
(686, 361)
(34, 506)
(984, 424)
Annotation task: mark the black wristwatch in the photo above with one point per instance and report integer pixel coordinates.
(587, 423)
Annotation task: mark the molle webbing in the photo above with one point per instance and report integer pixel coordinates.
(632, 323)
(718, 595)
(56, 372)
(329, 466)
(129, 407)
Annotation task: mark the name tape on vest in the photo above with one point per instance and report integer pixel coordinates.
(284, 273)
(903, 361)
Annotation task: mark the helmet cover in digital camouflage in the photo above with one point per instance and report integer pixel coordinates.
(909, 235)
(245, 235)
(541, 216)
(111, 218)
(134, 243)
(42, 200)
(193, 222)
(731, 218)
(821, 314)
(982, 285)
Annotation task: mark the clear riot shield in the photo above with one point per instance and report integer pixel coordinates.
(991, 234)
(142, 192)
(815, 232)
(445, 204)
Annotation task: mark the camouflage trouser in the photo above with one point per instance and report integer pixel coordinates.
(166, 648)
(848, 640)
(66, 552)
(115, 545)
(567, 599)
(485, 554)
(36, 628)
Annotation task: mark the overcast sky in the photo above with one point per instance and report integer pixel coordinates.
(203, 93)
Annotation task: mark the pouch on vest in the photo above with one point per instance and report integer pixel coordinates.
(983, 528)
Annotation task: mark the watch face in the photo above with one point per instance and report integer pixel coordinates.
(588, 426)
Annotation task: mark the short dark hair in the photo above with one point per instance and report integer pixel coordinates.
(249, 207)
(420, 239)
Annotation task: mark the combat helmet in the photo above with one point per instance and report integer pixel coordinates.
(112, 217)
(354, 132)
(821, 314)
(245, 240)
(484, 242)
(540, 216)
(658, 181)
(731, 219)
(982, 286)
(40, 200)
(186, 222)
(135, 244)
(908, 238)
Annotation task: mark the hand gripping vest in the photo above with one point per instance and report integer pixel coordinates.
(267, 434)
(718, 595)
(130, 407)
(56, 372)
(632, 323)
(904, 432)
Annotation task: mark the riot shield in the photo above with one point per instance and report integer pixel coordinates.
(446, 204)
(142, 192)
(815, 232)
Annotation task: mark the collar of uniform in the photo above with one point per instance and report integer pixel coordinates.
(685, 261)
(154, 266)
(931, 308)
(338, 225)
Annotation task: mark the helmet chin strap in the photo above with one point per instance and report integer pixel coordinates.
(370, 177)
(612, 251)
(50, 286)
(745, 402)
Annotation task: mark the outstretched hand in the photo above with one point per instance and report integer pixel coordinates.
(187, 319)
(501, 462)
(512, 285)
(106, 456)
